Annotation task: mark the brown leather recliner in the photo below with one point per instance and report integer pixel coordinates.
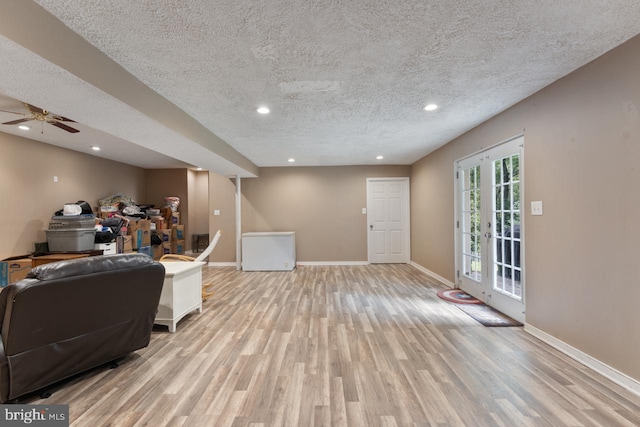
(71, 316)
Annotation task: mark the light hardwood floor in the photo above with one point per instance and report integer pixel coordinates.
(342, 346)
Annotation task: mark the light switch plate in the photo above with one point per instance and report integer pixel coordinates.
(364, 211)
(536, 207)
(216, 212)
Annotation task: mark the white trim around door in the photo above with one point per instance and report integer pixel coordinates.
(489, 226)
(388, 220)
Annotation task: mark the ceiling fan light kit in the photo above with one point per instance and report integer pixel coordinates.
(44, 116)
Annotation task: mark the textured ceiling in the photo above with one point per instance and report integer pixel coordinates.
(345, 81)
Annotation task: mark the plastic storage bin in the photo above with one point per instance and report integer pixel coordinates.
(72, 222)
(71, 240)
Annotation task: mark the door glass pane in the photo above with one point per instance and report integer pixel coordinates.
(506, 170)
(516, 195)
(506, 197)
(506, 224)
(516, 168)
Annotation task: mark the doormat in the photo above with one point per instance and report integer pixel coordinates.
(488, 316)
(458, 296)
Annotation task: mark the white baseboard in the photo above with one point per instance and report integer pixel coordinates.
(320, 263)
(603, 369)
(332, 263)
(433, 275)
(221, 264)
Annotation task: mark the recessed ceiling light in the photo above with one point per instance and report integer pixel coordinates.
(96, 148)
(379, 157)
(24, 127)
(263, 110)
(198, 169)
(291, 160)
(430, 107)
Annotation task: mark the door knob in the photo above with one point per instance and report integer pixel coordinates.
(371, 227)
(487, 234)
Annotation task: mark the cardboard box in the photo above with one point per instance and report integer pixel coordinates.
(177, 232)
(124, 244)
(160, 222)
(157, 252)
(165, 235)
(141, 224)
(141, 232)
(166, 248)
(177, 247)
(175, 218)
(166, 214)
(105, 211)
(14, 269)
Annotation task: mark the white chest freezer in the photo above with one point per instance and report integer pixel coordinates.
(269, 251)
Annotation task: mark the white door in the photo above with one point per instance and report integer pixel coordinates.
(388, 220)
(490, 236)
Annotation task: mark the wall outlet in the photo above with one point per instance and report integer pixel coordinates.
(536, 207)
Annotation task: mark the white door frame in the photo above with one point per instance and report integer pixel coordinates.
(406, 214)
(520, 316)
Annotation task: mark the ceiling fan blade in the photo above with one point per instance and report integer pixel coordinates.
(35, 109)
(63, 126)
(15, 122)
(63, 119)
(13, 112)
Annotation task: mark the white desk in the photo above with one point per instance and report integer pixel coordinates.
(181, 292)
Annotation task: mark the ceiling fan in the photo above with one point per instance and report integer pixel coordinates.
(37, 113)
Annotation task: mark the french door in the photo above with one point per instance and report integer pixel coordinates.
(489, 232)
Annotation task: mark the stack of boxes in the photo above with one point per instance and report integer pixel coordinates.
(170, 231)
(177, 231)
(165, 224)
(158, 226)
(140, 232)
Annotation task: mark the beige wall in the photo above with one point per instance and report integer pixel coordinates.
(323, 205)
(30, 197)
(198, 200)
(582, 145)
(222, 197)
(191, 209)
(200, 214)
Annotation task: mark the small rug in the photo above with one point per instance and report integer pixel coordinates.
(458, 296)
(488, 316)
